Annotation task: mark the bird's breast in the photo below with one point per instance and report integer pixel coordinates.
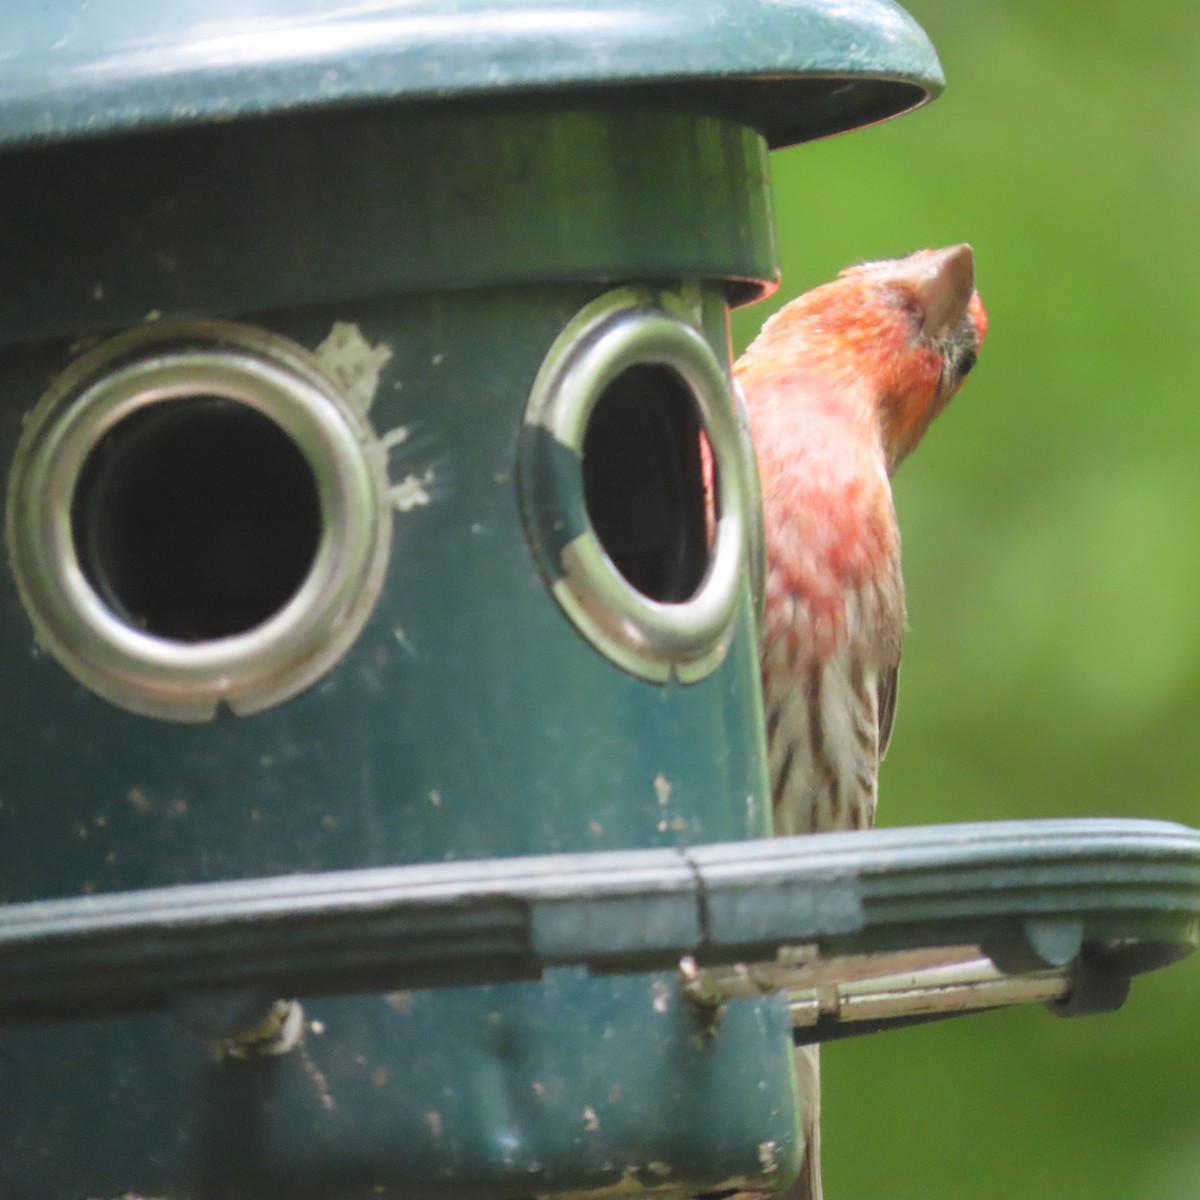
(823, 743)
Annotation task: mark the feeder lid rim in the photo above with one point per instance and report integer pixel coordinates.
(793, 69)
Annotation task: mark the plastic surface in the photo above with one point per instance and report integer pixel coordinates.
(260, 215)
(793, 69)
(470, 720)
(1118, 887)
(446, 250)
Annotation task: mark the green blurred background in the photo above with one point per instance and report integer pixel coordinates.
(1052, 555)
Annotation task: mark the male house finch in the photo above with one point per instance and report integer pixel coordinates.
(840, 385)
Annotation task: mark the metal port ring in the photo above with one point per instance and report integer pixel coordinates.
(652, 639)
(275, 659)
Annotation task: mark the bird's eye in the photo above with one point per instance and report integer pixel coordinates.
(969, 357)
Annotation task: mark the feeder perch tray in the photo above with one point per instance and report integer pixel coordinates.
(865, 930)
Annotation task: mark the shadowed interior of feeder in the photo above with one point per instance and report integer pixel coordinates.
(643, 482)
(196, 518)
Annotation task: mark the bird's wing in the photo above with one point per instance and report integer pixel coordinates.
(889, 679)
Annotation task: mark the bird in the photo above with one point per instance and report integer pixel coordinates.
(840, 386)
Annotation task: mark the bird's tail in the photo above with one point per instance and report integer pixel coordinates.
(808, 1073)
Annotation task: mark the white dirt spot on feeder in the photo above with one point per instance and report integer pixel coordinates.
(394, 437)
(662, 788)
(319, 1083)
(766, 1158)
(411, 492)
(354, 363)
(660, 996)
(140, 801)
(591, 1122)
(280, 1032)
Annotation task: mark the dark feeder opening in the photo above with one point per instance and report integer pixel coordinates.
(196, 518)
(643, 482)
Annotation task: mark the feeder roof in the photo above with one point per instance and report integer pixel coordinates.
(794, 69)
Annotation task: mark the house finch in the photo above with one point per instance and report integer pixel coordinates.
(840, 385)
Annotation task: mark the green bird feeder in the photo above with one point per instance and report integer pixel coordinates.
(382, 787)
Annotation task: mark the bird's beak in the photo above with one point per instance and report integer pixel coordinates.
(943, 283)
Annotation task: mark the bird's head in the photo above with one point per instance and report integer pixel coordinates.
(926, 323)
(899, 334)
